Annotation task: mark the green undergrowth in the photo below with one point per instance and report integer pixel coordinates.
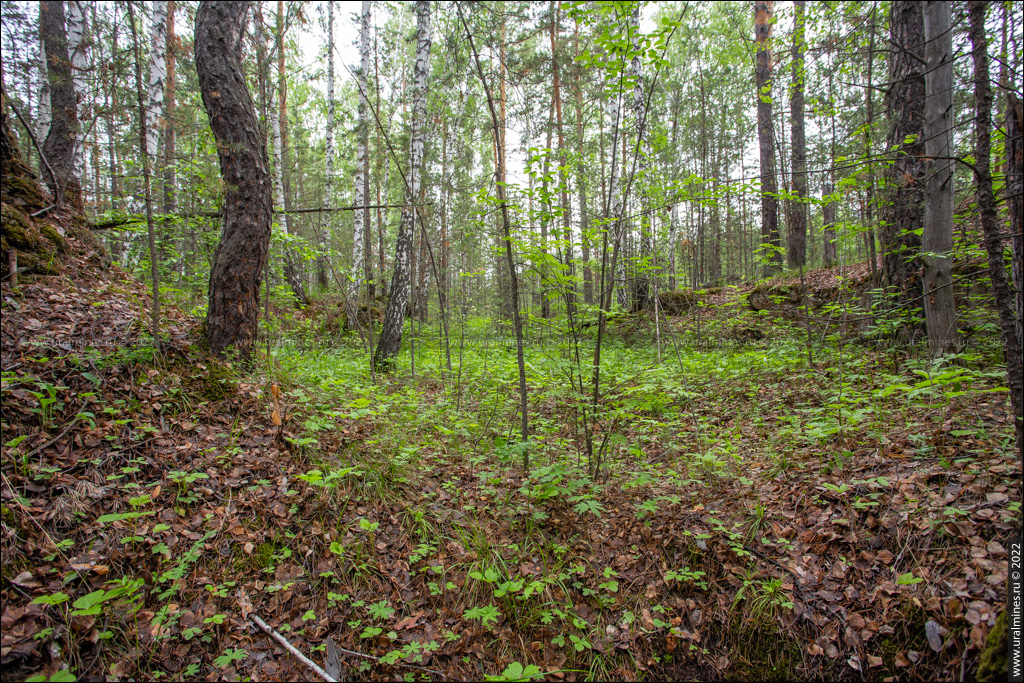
(365, 506)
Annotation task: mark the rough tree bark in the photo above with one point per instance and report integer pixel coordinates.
(390, 341)
(146, 151)
(937, 239)
(1015, 198)
(279, 120)
(1009, 320)
(233, 312)
(770, 240)
(797, 247)
(59, 147)
(903, 207)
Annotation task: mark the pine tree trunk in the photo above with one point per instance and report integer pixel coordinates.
(233, 312)
(770, 239)
(937, 240)
(903, 208)
(279, 122)
(1009, 320)
(390, 341)
(1015, 197)
(59, 147)
(797, 252)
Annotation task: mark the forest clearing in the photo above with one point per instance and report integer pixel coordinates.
(511, 341)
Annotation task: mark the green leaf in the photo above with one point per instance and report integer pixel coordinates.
(230, 655)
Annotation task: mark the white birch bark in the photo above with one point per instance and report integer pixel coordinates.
(390, 341)
(157, 76)
(329, 151)
(361, 228)
(275, 123)
(77, 29)
(673, 234)
(43, 114)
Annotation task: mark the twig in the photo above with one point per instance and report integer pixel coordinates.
(53, 440)
(291, 648)
(323, 674)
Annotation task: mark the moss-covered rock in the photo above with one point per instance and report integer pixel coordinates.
(17, 231)
(678, 302)
(55, 238)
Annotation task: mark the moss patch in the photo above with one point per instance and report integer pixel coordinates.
(993, 665)
(218, 383)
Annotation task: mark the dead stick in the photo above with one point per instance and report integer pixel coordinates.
(291, 648)
(281, 639)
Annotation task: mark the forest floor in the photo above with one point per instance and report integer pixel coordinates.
(758, 514)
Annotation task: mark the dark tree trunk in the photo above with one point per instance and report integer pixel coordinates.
(903, 206)
(292, 266)
(937, 238)
(1009, 322)
(1015, 198)
(797, 253)
(766, 138)
(231, 320)
(59, 147)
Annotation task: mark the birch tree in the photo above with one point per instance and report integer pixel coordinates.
(147, 148)
(390, 341)
(42, 126)
(361, 217)
(77, 29)
(157, 76)
(321, 270)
